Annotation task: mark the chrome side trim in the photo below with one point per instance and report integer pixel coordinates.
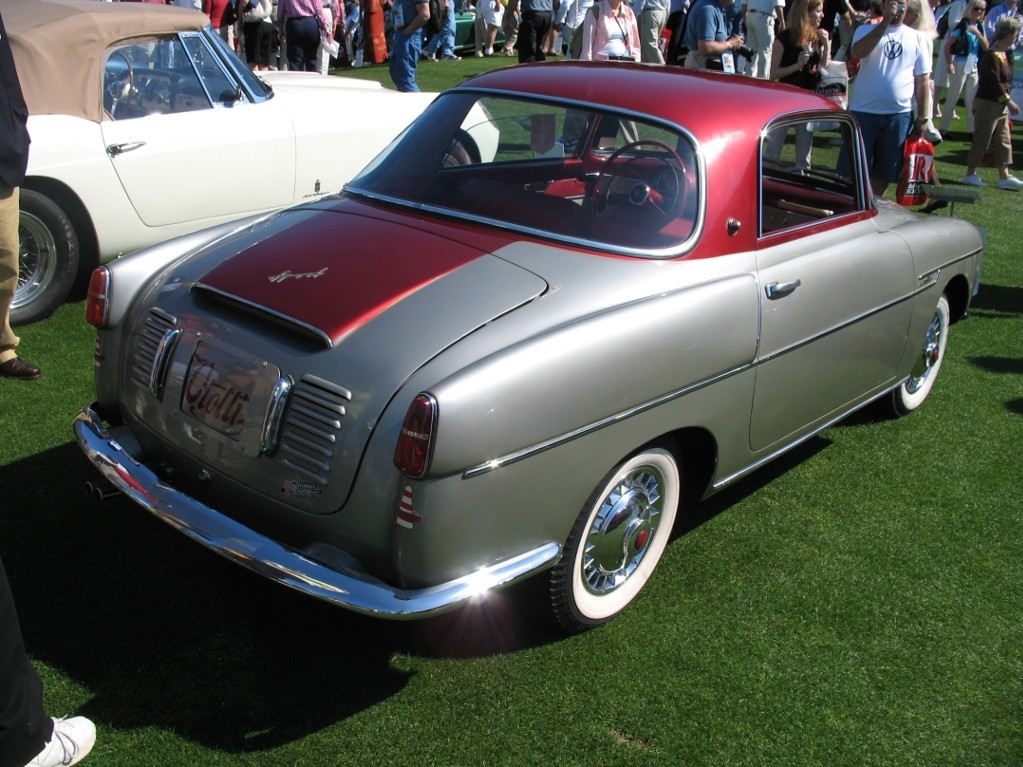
(520, 455)
(766, 459)
(351, 589)
(947, 265)
(526, 452)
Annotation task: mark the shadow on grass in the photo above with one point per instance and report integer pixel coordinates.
(1008, 365)
(163, 633)
(166, 634)
(701, 512)
(994, 301)
(998, 364)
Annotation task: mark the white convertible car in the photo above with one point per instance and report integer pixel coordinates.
(146, 126)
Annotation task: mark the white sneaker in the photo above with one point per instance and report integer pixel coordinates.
(973, 180)
(72, 740)
(1011, 183)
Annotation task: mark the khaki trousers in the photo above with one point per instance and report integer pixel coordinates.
(990, 121)
(9, 247)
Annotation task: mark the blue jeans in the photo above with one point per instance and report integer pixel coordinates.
(883, 140)
(405, 52)
(443, 42)
(303, 37)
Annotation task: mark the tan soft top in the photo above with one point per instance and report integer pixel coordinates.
(60, 47)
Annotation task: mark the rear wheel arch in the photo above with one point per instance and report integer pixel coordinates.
(71, 204)
(86, 258)
(957, 292)
(696, 450)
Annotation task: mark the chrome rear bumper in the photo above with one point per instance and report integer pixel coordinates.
(354, 590)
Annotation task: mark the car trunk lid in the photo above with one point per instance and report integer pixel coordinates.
(332, 276)
(345, 308)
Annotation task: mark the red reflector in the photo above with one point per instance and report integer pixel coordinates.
(96, 304)
(412, 453)
(641, 540)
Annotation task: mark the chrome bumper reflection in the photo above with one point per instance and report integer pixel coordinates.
(354, 590)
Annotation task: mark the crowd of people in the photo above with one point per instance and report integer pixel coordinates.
(888, 46)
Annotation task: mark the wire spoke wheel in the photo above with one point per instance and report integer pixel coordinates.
(47, 258)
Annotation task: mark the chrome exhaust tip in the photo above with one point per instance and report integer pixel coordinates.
(100, 491)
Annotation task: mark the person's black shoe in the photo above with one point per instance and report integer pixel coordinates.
(18, 368)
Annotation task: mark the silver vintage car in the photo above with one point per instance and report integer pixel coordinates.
(566, 292)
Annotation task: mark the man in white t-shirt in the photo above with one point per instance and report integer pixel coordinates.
(895, 66)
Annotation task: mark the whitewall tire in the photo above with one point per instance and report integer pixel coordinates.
(617, 540)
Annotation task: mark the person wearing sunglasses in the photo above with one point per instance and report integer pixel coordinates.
(964, 46)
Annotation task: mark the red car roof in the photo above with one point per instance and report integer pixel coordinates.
(704, 102)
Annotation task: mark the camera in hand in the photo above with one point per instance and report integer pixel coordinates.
(745, 52)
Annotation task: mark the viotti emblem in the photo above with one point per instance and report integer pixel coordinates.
(289, 275)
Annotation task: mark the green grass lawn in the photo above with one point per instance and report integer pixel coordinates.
(856, 603)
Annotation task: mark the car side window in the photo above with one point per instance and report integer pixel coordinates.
(806, 175)
(219, 84)
(151, 77)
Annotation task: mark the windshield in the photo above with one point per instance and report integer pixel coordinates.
(561, 171)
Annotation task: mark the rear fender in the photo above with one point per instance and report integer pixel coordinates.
(588, 374)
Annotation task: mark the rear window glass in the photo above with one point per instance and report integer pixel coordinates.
(558, 170)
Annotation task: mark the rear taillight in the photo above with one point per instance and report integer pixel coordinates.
(97, 302)
(412, 454)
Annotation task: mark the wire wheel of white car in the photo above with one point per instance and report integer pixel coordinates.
(617, 540)
(914, 390)
(48, 259)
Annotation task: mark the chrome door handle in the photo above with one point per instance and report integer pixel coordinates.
(775, 290)
(116, 149)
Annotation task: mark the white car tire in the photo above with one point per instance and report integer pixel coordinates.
(912, 392)
(617, 540)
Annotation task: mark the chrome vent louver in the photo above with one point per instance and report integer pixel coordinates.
(153, 346)
(311, 430)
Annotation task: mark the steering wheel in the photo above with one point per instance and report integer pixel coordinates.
(665, 198)
(119, 79)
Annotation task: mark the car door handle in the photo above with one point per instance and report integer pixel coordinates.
(780, 289)
(116, 149)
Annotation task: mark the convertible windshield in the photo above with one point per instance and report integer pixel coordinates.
(556, 170)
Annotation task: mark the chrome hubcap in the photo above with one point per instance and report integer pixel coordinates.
(929, 356)
(621, 530)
